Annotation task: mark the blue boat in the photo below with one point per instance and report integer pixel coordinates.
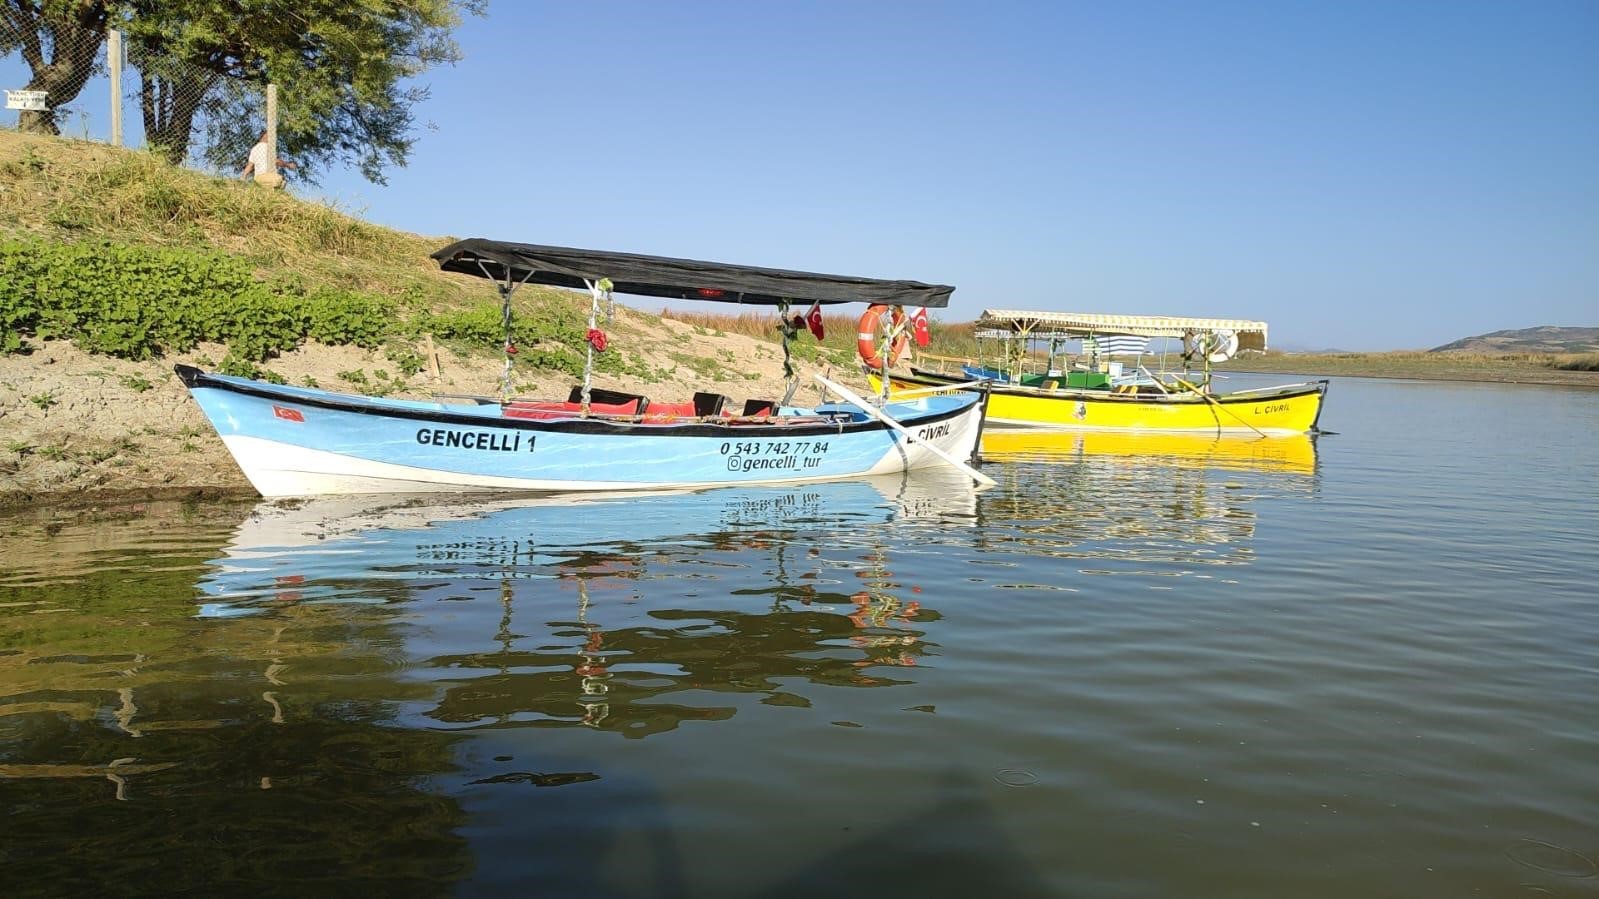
(294, 441)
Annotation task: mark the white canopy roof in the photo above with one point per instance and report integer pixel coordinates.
(1251, 334)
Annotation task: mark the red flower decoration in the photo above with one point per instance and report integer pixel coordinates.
(596, 339)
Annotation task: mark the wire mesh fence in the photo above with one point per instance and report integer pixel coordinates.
(47, 64)
(83, 80)
(193, 115)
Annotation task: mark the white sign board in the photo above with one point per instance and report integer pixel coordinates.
(25, 100)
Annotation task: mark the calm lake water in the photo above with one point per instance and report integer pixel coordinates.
(1367, 666)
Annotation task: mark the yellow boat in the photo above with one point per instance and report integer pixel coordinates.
(1093, 391)
(1293, 453)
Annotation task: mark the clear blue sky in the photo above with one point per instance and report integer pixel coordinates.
(1363, 175)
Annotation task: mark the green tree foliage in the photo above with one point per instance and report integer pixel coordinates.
(344, 69)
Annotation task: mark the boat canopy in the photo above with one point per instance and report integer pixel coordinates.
(660, 276)
(1034, 334)
(1251, 334)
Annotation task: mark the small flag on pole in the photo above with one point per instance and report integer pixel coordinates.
(919, 327)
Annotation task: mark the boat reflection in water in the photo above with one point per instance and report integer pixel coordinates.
(592, 610)
(1295, 454)
(1139, 503)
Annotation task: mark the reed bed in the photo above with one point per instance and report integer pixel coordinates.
(1582, 362)
(1573, 368)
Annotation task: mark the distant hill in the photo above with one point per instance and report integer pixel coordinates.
(1301, 349)
(1544, 339)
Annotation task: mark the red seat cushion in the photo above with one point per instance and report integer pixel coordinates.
(565, 410)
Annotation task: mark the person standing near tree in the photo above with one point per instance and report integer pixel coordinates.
(265, 164)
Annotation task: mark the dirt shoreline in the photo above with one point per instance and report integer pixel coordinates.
(79, 430)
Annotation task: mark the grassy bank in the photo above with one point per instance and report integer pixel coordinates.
(1581, 369)
(68, 191)
(127, 256)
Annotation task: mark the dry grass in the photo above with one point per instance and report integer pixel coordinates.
(1579, 362)
(73, 190)
(1551, 368)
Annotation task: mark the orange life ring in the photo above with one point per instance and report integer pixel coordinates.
(866, 336)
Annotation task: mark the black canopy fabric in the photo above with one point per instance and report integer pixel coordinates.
(659, 276)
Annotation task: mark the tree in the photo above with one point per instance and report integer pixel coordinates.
(343, 69)
(60, 41)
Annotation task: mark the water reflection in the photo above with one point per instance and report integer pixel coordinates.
(342, 647)
(1140, 504)
(596, 611)
(1294, 454)
(133, 735)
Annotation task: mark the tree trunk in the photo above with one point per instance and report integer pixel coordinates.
(168, 105)
(75, 44)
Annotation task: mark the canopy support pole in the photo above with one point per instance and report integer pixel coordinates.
(786, 331)
(505, 288)
(883, 357)
(894, 332)
(598, 290)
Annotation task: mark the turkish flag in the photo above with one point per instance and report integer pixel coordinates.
(813, 318)
(919, 327)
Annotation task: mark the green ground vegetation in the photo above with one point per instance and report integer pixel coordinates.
(128, 256)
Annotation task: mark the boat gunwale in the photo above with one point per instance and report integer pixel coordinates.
(194, 378)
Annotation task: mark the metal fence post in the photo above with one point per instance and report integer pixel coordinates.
(113, 58)
(272, 121)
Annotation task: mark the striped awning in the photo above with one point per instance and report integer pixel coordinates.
(1251, 334)
(1116, 344)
